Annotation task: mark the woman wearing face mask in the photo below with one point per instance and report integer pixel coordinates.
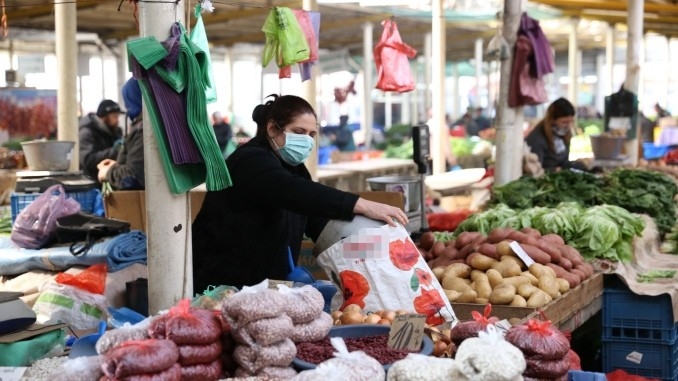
(242, 234)
(550, 138)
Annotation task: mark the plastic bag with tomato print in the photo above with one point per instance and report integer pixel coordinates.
(380, 268)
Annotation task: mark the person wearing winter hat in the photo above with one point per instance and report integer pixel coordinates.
(100, 136)
(127, 172)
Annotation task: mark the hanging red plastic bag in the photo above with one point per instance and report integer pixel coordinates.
(92, 279)
(35, 226)
(304, 20)
(468, 329)
(391, 58)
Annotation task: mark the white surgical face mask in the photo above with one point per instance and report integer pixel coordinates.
(559, 131)
(297, 148)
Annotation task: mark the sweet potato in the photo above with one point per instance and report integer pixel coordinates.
(437, 249)
(489, 250)
(552, 250)
(531, 232)
(497, 235)
(427, 241)
(471, 247)
(572, 279)
(572, 254)
(450, 243)
(586, 268)
(553, 239)
(451, 252)
(582, 276)
(517, 236)
(538, 255)
(466, 238)
(427, 255)
(565, 263)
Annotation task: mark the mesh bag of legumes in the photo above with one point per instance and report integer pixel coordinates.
(253, 359)
(264, 332)
(312, 331)
(253, 303)
(353, 366)
(304, 304)
(273, 373)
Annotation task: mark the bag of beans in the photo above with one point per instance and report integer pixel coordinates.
(139, 357)
(201, 372)
(171, 374)
(353, 366)
(420, 367)
(79, 368)
(113, 338)
(549, 369)
(264, 332)
(464, 330)
(312, 331)
(252, 359)
(304, 304)
(539, 340)
(489, 357)
(253, 303)
(199, 354)
(187, 325)
(276, 373)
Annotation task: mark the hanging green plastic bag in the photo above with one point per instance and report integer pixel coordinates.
(199, 38)
(284, 38)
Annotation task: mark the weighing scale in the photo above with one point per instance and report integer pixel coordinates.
(421, 140)
(39, 181)
(15, 315)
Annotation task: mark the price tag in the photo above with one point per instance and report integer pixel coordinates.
(274, 283)
(503, 326)
(521, 254)
(11, 374)
(407, 332)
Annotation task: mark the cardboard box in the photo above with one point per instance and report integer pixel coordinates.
(130, 206)
(307, 260)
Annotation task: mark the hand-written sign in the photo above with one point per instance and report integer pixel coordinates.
(407, 332)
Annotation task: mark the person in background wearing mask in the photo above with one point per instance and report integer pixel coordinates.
(127, 173)
(242, 234)
(100, 137)
(550, 138)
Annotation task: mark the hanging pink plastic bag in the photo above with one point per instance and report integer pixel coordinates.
(35, 226)
(391, 58)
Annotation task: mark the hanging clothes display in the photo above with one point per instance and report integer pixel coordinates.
(391, 56)
(183, 67)
(285, 40)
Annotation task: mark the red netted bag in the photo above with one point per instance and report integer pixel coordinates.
(139, 357)
(467, 329)
(171, 374)
(539, 340)
(187, 326)
(620, 375)
(202, 372)
(549, 369)
(199, 354)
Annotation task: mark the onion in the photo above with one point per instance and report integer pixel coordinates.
(372, 319)
(388, 315)
(384, 322)
(336, 315)
(353, 307)
(380, 313)
(439, 349)
(352, 317)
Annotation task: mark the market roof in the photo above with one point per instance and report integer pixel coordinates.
(468, 20)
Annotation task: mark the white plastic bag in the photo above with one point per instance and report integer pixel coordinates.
(81, 309)
(489, 357)
(80, 368)
(350, 366)
(381, 269)
(416, 367)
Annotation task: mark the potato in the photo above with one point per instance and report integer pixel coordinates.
(537, 270)
(550, 271)
(538, 299)
(548, 285)
(563, 285)
(503, 294)
(438, 273)
(452, 295)
(518, 301)
(454, 283)
(477, 274)
(459, 270)
(504, 249)
(469, 296)
(481, 262)
(515, 260)
(482, 301)
(526, 290)
(494, 277)
(533, 279)
(507, 268)
(437, 249)
(483, 288)
(516, 281)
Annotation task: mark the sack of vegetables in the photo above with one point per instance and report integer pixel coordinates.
(380, 268)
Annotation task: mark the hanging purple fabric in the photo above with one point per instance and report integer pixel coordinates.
(541, 61)
(171, 44)
(305, 68)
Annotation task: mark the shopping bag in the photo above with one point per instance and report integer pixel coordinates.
(82, 310)
(35, 226)
(284, 39)
(92, 279)
(391, 58)
(199, 37)
(381, 268)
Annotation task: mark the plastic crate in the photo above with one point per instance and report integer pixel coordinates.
(628, 316)
(658, 361)
(652, 151)
(89, 200)
(578, 375)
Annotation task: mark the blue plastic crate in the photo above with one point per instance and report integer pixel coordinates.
(579, 375)
(90, 201)
(628, 316)
(652, 151)
(658, 360)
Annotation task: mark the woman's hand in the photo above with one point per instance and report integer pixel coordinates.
(380, 212)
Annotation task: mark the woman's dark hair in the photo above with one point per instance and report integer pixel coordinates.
(281, 109)
(560, 108)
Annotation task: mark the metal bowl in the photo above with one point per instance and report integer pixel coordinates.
(410, 186)
(43, 155)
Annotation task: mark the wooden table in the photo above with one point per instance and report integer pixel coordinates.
(362, 170)
(335, 178)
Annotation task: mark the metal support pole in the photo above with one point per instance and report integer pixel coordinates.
(388, 110)
(168, 224)
(438, 60)
(65, 23)
(479, 71)
(368, 82)
(428, 54)
(633, 62)
(509, 138)
(310, 91)
(123, 71)
(609, 59)
(228, 96)
(572, 67)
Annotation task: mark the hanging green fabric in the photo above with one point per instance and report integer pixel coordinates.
(285, 40)
(147, 51)
(199, 38)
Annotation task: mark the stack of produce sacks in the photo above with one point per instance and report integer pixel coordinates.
(546, 350)
(259, 324)
(304, 306)
(197, 334)
(148, 359)
(345, 365)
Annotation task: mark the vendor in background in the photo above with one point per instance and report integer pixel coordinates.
(100, 137)
(482, 121)
(343, 137)
(127, 172)
(661, 112)
(550, 138)
(222, 130)
(242, 234)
